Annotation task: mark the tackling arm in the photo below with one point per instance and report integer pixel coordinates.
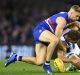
(61, 22)
(73, 59)
(61, 55)
(61, 45)
(73, 25)
(61, 52)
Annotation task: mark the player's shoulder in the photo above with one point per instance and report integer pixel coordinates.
(63, 13)
(62, 16)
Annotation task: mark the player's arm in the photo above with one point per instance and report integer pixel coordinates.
(73, 25)
(61, 55)
(74, 60)
(61, 22)
(70, 25)
(61, 52)
(61, 45)
(77, 24)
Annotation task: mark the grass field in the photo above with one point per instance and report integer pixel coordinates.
(20, 68)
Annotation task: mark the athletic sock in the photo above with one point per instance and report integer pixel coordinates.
(19, 58)
(47, 63)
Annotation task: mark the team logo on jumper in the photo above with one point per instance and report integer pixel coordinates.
(40, 30)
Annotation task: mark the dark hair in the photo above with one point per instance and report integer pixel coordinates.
(75, 35)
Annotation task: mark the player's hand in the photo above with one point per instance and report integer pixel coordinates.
(74, 59)
(76, 62)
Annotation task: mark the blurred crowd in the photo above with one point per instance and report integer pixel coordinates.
(19, 17)
(17, 21)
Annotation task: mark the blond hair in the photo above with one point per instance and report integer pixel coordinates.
(76, 8)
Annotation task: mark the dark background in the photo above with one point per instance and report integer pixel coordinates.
(19, 17)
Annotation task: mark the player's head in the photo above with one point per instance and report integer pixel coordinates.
(72, 36)
(74, 13)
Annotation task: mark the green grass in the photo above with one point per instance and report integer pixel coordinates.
(20, 68)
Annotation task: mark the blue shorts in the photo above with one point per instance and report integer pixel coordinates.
(38, 30)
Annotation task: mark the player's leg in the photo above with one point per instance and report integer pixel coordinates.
(40, 50)
(49, 37)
